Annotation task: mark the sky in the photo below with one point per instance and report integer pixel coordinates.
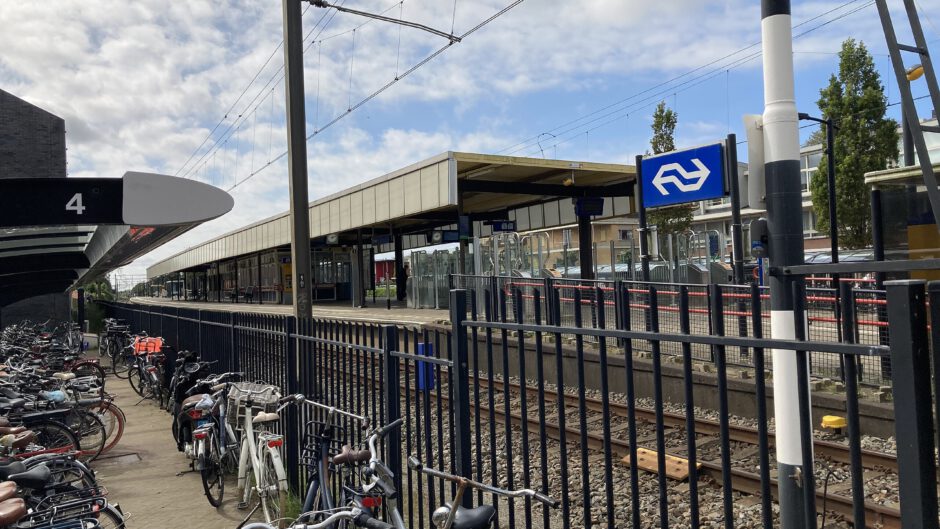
(195, 88)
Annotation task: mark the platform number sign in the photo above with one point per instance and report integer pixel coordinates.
(75, 204)
(61, 201)
(689, 175)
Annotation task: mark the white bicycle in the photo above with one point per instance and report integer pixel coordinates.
(260, 469)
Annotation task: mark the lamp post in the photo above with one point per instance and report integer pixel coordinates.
(831, 166)
(833, 226)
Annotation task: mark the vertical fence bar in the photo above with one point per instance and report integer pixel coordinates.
(685, 328)
(808, 477)
(560, 402)
(655, 346)
(933, 289)
(582, 414)
(519, 313)
(507, 402)
(540, 381)
(459, 376)
(605, 404)
(625, 314)
(910, 373)
(847, 301)
(392, 391)
(716, 310)
(292, 431)
(760, 388)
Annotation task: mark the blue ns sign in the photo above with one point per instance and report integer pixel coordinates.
(683, 176)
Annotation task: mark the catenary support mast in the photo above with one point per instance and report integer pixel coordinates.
(785, 226)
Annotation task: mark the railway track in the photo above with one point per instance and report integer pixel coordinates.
(876, 515)
(742, 481)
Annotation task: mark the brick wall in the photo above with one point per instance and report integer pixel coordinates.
(32, 141)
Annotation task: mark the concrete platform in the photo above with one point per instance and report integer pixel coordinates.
(372, 313)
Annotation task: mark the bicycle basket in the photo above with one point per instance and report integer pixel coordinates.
(308, 457)
(239, 397)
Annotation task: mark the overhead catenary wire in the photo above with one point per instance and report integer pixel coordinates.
(524, 144)
(278, 75)
(237, 99)
(325, 20)
(385, 87)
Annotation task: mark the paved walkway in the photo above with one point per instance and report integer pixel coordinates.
(140, 473)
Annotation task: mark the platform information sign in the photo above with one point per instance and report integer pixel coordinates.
(684, 176)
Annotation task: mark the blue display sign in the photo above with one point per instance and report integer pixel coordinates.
(503, 225)
(678, 177)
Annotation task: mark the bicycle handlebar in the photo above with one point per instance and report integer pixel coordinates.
(331, 410)
(415, 464)
(355, 515)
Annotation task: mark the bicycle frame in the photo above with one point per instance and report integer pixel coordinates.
(253, 449)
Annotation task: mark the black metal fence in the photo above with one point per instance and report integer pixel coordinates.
(741, 304)
(503, 397)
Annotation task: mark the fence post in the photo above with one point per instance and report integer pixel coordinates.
(292, 434)
(459, 380)
(233, 354)
(933, 289)
(392, 400)
(913, 422)
(199, 330)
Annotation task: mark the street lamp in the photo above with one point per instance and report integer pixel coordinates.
(830, 152)
(833, 226)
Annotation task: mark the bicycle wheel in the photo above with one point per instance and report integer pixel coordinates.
(273, 498)
(91, 433)
(53, 437)
(133, 376)
(122, 361)
(113, 418)
(213, 476)
(67, 473)
(110, 518)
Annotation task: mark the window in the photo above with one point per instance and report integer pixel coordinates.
(809, 222)
(625, 235)
(809, 164)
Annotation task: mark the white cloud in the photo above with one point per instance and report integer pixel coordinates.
(140, 84)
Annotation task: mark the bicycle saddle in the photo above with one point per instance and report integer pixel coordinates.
(63, 376)
(34, 478)
(189, 402)
(265, 417)
(7, 490)
(348, 456)
(7, 430)
(475, 518)
(11, 511)
(11, 467)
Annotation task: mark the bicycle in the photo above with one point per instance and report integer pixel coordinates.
(320, 441)
(357, 510)
(260, 470)
(453, 516)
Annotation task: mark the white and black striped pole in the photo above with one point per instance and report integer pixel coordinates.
(785, 228)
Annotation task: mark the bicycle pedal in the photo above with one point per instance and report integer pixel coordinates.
(241, 506)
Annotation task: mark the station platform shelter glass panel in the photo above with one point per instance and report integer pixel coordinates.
(213, 285)
(248, 279)
(229, 279)
(271, 278)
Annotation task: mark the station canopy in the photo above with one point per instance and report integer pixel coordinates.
(60, 233)
(429, 195)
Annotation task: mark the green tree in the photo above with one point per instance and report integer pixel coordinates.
(670, 219)
(864, 141)
(100, 290)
